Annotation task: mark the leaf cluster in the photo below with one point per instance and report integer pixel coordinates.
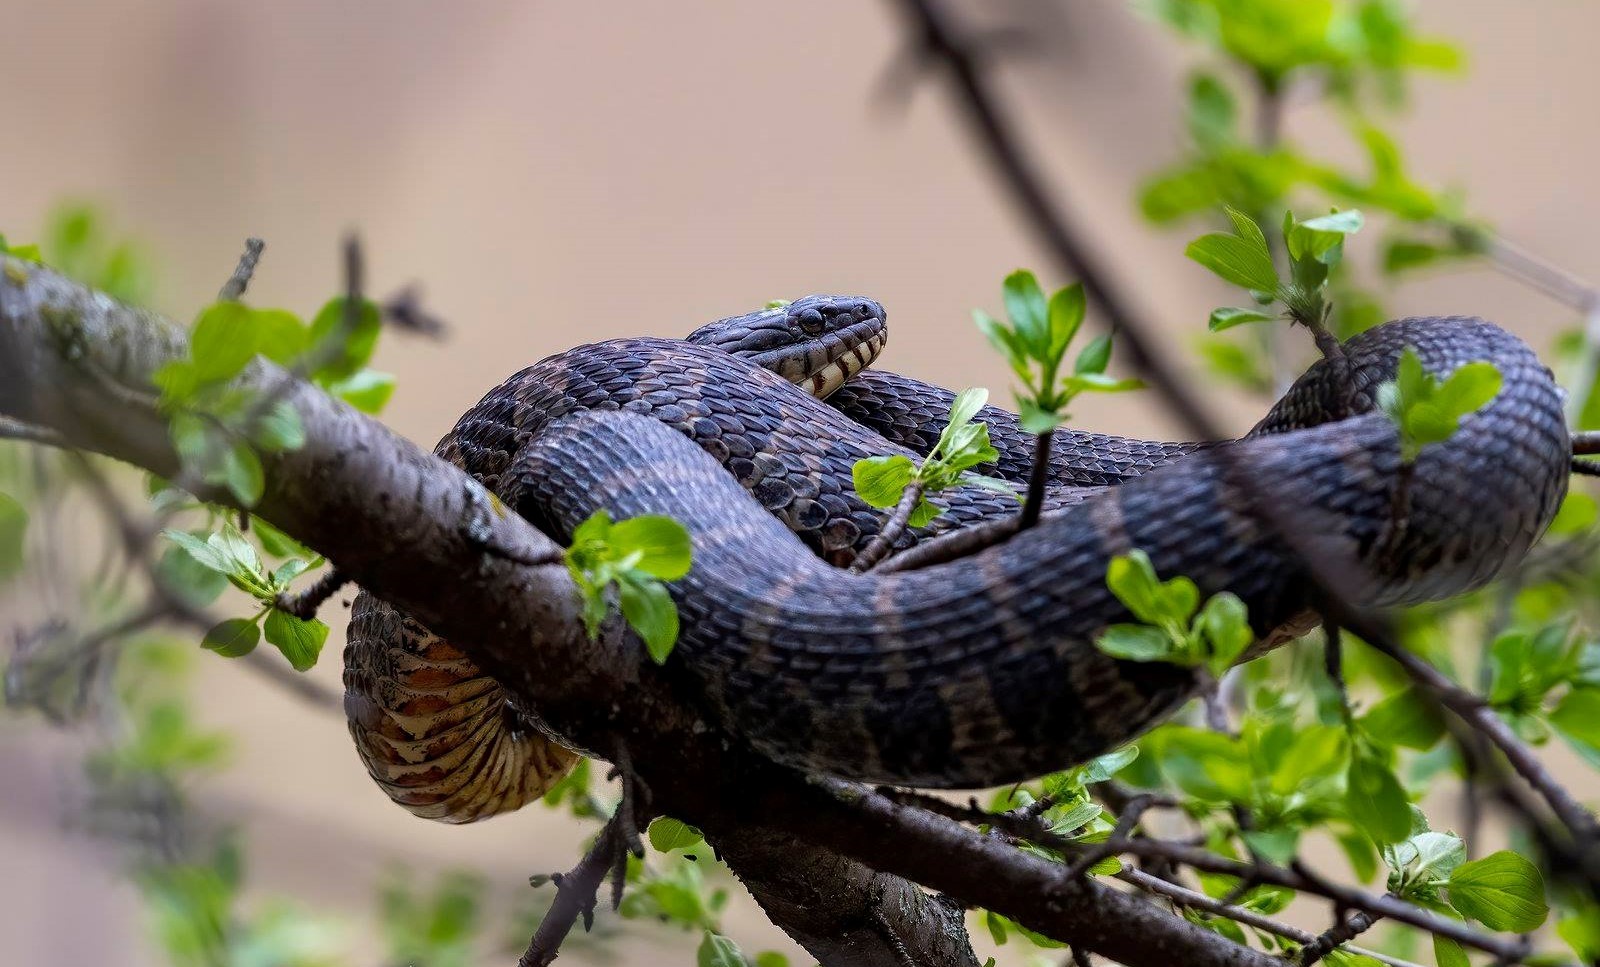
(631, 559)
(1035, 342)
(1243, 258)
(963, 444)
(227, 555)
(1173, 625)
(220, 428)
(1427, 410)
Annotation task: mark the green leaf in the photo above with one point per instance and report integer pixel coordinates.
(648, 609)
(1578, 716)
(1029, 312)
(194, 583)
(966, 406)
(718, 951)
(1448, 953)
(1213, 114)
(367, 391)
(1243, 262)
(1036, 420)
(1205, 764)
(1132, 578)
(1136, 643)
(202, 552)
(1469, 388)
(1227, 628)
(1275, 845)
(880, 481)
(340, 348)
(1406, 718)
(279, 429)
(923, 513)
(1227, 318)
(239, 469)
(223, 341)
(1246, 228)
(300, 641)
(1503, 891)
(232, 638)
(280, 335)
(667, 834)
(1066, 316)
(771, 958)
(661, 542)
(1100, 383)
(1004, 340)
(1101, 768)
(1095, 357)
(1375, 799)
(1316, 751)
(13, 533)
(1347, 222)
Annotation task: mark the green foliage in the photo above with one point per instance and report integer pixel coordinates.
(1035, 345)
(437, 929)
(1244, 259)
(226, 553)
(1175, 627)
(13, 534)
(1503, 891)
(1426, 410)
(634, 557)
(962, 444)
(668, 834)
(1345, 42)
(219, 427)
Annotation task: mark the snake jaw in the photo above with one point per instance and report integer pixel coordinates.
(845, 364)
(818, 342)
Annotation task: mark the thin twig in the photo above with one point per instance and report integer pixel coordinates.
(883, 541)
(1473, 710)
(233, 289)
(1342, 932)
(953, 545)
(303, 604)
(1036, 480)
(576, 894)
(28, 433)
(1183, 896)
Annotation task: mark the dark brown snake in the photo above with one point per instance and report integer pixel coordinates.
(977, 672)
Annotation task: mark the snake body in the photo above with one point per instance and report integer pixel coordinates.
(972, 673)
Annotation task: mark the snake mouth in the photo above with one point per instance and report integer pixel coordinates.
(853, 353)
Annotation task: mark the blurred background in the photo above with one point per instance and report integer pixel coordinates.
(551, 174)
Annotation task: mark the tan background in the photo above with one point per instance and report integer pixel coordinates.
(558, 173)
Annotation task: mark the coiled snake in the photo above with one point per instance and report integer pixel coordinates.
(977, 672)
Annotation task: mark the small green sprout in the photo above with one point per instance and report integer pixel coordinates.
(1175, 628)
(634, 555)
(229, 554)
(1243, 258)
(882, 481)
(1428, 411)
(1035, 344)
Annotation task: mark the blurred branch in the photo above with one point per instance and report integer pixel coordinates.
(233, 289)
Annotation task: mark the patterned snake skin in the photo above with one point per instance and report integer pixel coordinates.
(968, 674)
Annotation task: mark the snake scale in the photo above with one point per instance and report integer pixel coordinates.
(977, 672)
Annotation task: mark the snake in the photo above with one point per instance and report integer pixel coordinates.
(975, 672)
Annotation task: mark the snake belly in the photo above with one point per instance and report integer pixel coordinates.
(984, 671)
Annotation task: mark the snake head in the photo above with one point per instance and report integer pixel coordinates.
(817, 342)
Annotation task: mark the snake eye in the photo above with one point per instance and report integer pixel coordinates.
(811, 322)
